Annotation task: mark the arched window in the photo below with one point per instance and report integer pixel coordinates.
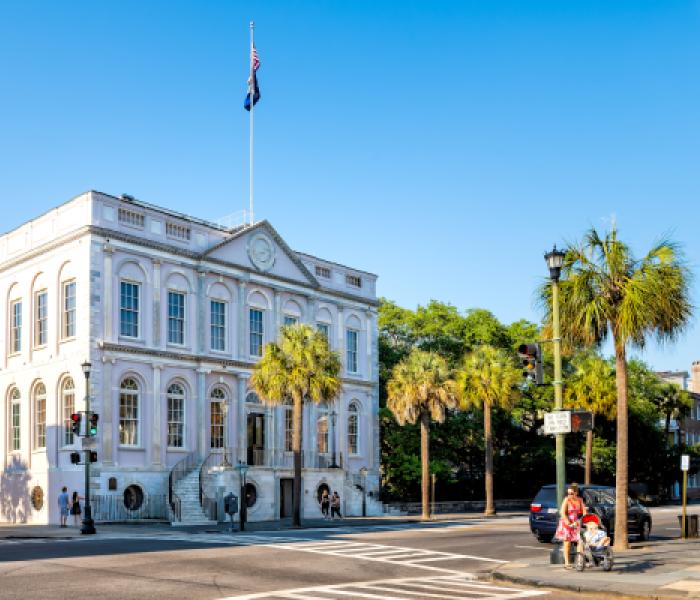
(288, 427)
(15, 425)
(176, 416)
(216, 418)
(67, 409)
(322, 434)
(252, 398)
(129, 412)
(353, 428)
(40, 415)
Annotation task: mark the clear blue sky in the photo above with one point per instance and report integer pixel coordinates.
(442, 145)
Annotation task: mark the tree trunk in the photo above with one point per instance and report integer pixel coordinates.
(490, 509)
(621, 469)
(297, 424)
(425, 463)
(667, 429)
(589, 457)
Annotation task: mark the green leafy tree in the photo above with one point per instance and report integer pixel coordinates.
(674, 403)
(299, 366)
(606, 292)
(488, 378)
(592, 387)
(421, 389)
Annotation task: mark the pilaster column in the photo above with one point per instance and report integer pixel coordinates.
(108, 294)
(201, 312)
(231, 423)
(309, 316)
(277, 314)
(242, 329)
(242, 433)
(201, 425)
(157, 426)
(341, 338)
(109, 438)
(369, 364)
(158, 338)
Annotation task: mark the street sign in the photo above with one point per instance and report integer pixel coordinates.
(557, 422)
(685, 462)
(89, 443)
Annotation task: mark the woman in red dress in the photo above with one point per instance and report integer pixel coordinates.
(569, 528)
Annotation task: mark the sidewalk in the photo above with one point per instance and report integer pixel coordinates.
(661, 570)
(9, 531)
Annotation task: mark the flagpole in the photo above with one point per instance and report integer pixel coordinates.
(251, 91)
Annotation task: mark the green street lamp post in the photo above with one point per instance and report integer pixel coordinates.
(555, 261)
(363, 474)
(88, 524)
(243, 469)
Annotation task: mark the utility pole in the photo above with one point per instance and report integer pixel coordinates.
(88, 527)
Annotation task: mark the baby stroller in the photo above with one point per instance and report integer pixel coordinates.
(594, 549)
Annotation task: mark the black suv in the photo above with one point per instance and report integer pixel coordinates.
(599, 499)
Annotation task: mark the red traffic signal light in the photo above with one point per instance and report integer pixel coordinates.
(75, 423)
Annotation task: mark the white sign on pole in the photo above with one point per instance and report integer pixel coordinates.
(557, 422)
(685, 462)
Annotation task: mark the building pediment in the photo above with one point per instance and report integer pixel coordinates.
(262, 249)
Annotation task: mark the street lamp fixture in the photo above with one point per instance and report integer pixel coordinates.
(88, 527)
(242, 470)
(363, 474)
(555, 261)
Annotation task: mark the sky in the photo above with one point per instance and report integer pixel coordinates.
(442, 145)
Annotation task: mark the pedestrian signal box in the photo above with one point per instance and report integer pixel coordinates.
(75, 458)
(581, 421)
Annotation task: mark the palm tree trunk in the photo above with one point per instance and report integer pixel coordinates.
(589, 457)
(490, 509)
(297, 423)
(425, 462)
(621, 468)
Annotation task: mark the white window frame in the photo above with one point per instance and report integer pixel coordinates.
(290, 320)
(288, 441)
(14, 430)
(260, 334)
(176, 427)
(39, 417)
(321, 326)
(218, 397)
(219, 328)
(68, 313)
(176, 323)
(353, 415)
(67, 409)
(16, 326)
(133, 396)
(323, 433)
(41, 318)
(352, 358)
(130, 310)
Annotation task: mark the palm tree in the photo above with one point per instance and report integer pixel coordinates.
(592, 387)
(674, 403)
(421, 388)
(299, 366)
(488, 378)
(606, 292)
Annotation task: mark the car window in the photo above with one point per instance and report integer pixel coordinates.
(601, 497)
(546, 497)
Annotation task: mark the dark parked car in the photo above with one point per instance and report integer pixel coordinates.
(599, 499)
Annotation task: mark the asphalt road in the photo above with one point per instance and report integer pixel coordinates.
(436, 560)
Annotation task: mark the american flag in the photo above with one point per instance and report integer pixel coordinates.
(254, 59)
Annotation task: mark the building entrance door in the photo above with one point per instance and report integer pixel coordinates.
(286, 494)
(256, 439)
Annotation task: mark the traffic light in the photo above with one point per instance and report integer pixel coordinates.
(581, 421)
(93, 424)
(93, 456)
(531, 355)
(75, 458)
(75, 423)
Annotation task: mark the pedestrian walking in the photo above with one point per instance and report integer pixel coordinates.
(325, 503)
(569, 528)
(335, 506)
(63, 503)
(75, 509)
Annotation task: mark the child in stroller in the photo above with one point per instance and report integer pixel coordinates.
(594, 548)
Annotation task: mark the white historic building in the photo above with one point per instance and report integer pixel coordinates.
(172, 312)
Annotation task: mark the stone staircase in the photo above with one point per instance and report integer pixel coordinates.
(191, 513)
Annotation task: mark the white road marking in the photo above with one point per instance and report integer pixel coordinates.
(453, 587)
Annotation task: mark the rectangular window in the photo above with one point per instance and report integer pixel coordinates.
(68, 329)
(40, 418)
(129, 309)
(325, 330)
(289, 320)
(16, 425)
(178, 232)
(353, 281)
(176, 422)
(352, 433)
(41, 315)
(217, 425)
(128, 418)
(324, 272)
(322, 435)
(256, 332)
(288, 429)
(68, 409)
(16, 326)
(218, 325)
(176, 318)
(351, 350)
(131, 218)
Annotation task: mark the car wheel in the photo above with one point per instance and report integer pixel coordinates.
(645, 530)
(544, 539)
